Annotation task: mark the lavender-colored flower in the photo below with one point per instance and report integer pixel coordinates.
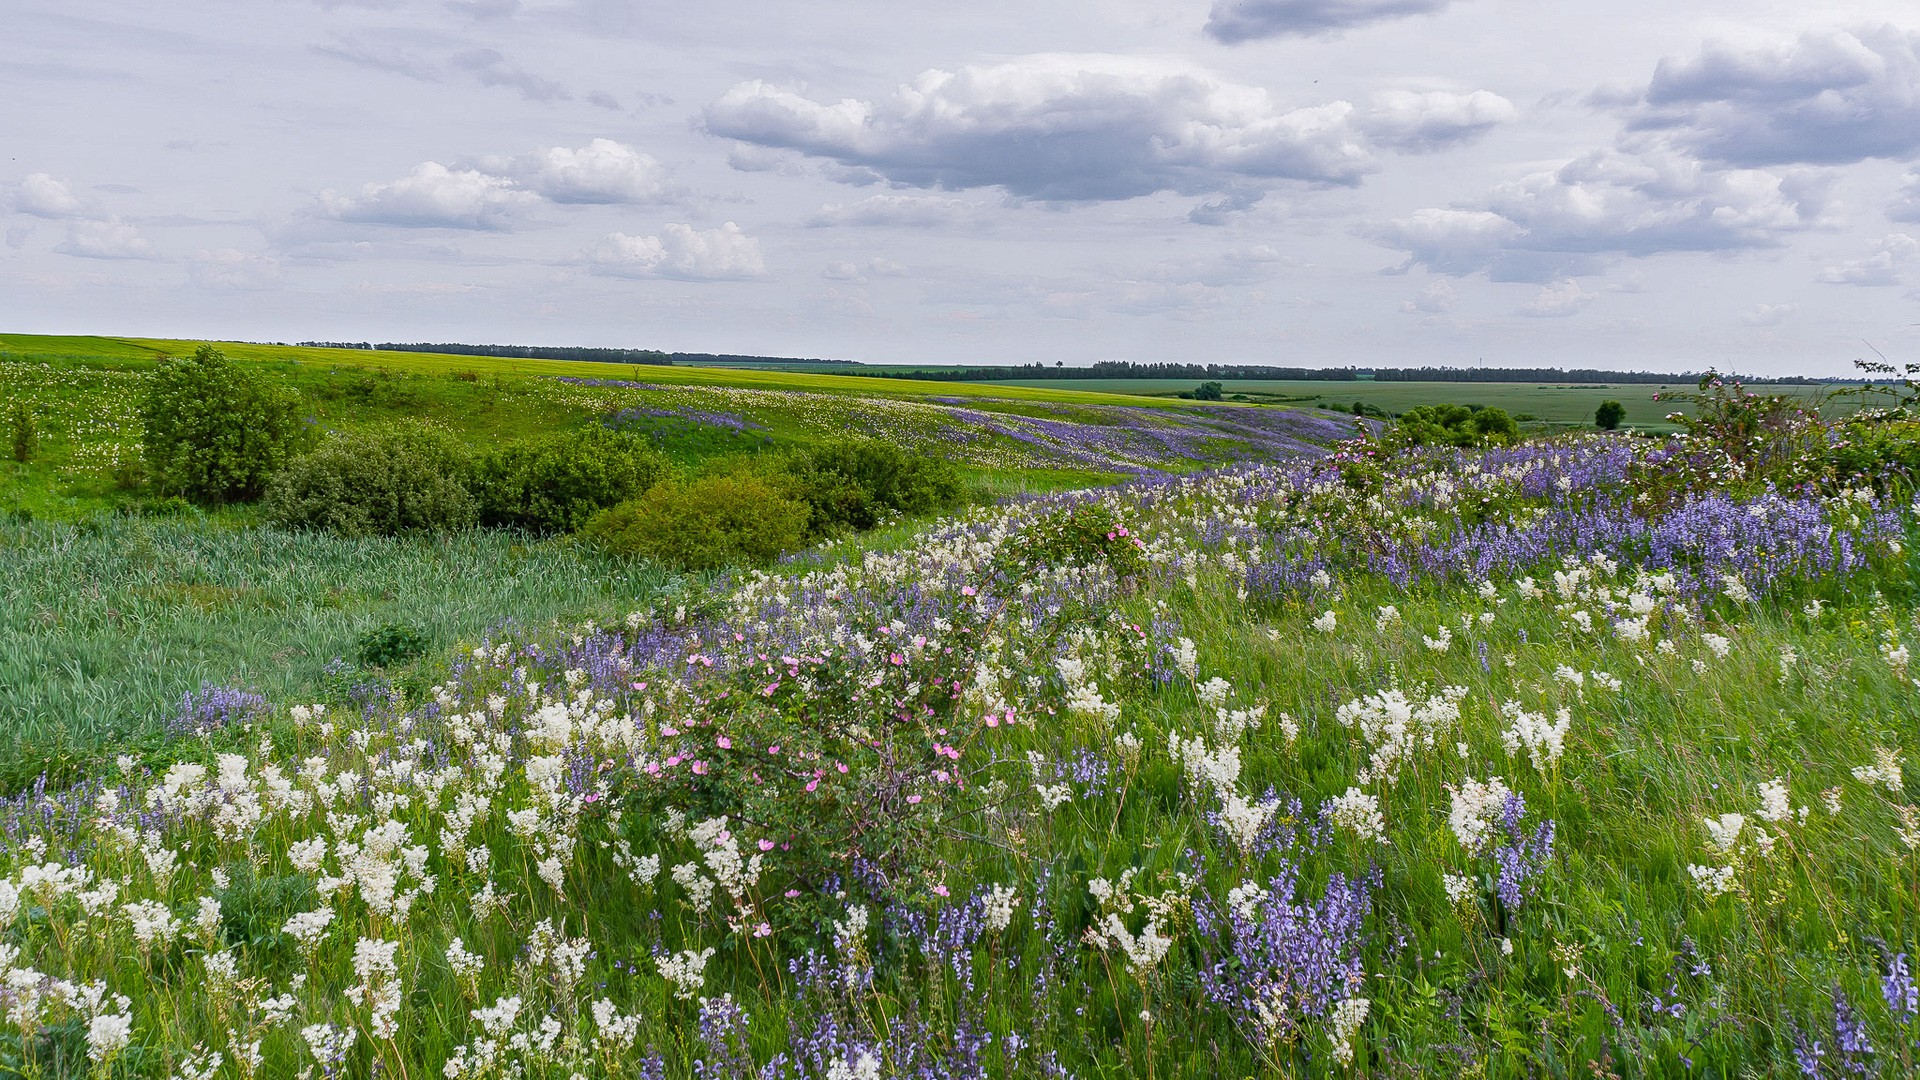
(214, 707)
(1902, 996)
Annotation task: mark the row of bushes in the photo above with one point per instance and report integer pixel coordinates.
(609, 486)
(218, 432)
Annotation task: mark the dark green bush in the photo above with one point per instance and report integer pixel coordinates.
(554, 484)
(383, 483)
(216, 432)
(1453, 425)
(703, 524)
(1608, 416)
(861, 483)
(394, 643)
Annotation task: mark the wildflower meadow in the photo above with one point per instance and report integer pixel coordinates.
(1589, 757)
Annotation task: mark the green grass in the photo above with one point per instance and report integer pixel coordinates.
(104, 625)
(548, 795)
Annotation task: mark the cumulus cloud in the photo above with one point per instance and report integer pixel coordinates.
(1888, 263)
(105, 240)
(1060, 127)
(1638, 199)
(434, 196)
(681, 252)
(1438, 298)
(17, 235)
(1557, 301)
(1829, 97)
(43, 196)
(1412, 122)
(230, 268)
(895, 211)
(603, 171)
(1233, 21)
(1768, 314)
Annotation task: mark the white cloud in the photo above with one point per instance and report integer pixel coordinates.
(1438, 298)
(872, 268)
(1906, 205)
(105, 240)
(1892, 255)
(1828, 97)
(895, 211)
(683, 253)
(1638, 199)
(1414, 123)
(603, 171)
(42, 196)
(17, 235)
(1768, 314)
(434, 196)
(230, 268)
(1061, 127)
(1557, 301)
(1234, 21)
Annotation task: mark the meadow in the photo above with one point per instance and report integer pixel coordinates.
(1587, 756)
(117, 606)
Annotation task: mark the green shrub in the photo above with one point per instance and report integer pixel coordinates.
(554, 484)
(861, 483)
(382, 483)
(1453, 425)
(1608, 416)
(26, 437)
(394, 643)
(216, 432)
(703, 524)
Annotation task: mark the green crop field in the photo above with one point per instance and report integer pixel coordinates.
(1560, 405)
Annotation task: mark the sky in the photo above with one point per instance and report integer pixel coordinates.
(1639, 185)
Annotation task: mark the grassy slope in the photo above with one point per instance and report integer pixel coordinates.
(1588, 969)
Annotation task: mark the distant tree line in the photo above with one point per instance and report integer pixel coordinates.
(514, 352)
(1126, 369)
(701, 359)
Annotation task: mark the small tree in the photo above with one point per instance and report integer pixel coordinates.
(1208, 391)
(26, 437)
(1608, 416)
(216, 432)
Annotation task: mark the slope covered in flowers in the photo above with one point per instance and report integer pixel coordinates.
(1502, 764)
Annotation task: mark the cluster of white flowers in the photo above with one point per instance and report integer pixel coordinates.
(1395, 726)
(686, 970)
(1359, 812)
(1544, 740)
(1118, 902)
(1476, 808)
(1347, 1017)
(1884, 772)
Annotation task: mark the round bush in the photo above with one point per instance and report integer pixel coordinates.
(554, 484)
(861, 483)
(703, 524)
(384, 483)
(216, 432)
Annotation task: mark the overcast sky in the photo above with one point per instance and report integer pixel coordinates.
(1322, 182)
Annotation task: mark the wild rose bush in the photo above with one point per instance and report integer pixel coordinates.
(1472, 766)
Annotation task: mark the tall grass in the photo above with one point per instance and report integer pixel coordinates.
(106, 623)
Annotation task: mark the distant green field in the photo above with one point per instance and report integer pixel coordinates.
(1566, 404)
